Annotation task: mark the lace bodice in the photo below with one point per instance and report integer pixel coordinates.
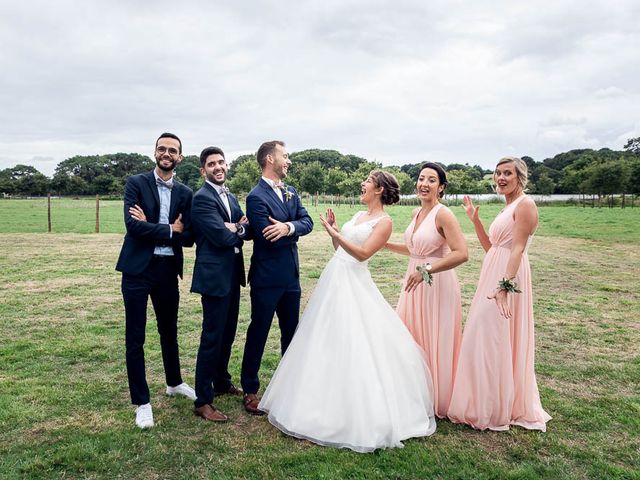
(357, 233)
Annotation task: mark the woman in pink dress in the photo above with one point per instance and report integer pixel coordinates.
(495, 384)
(434, 243)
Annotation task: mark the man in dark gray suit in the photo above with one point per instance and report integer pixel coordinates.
(220, 228)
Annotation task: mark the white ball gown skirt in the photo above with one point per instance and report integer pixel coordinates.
(353, 377)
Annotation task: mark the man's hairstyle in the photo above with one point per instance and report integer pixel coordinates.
(170, 135)
(209, 151)
(265, 149)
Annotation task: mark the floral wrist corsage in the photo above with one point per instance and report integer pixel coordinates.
(508, 285)
(426, 274)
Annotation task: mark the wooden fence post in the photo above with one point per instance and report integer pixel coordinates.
(97, 213)
(49, 211)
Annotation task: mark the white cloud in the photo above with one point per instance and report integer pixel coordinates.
(453, 81)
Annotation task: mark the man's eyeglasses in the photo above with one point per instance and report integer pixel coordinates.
(162, 150)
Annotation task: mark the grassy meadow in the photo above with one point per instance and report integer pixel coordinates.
(64, 402)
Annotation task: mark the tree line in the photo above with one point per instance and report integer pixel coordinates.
(583, 171)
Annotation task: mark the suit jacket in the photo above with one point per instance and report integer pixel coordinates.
(215, 243)
(275, 264)
(142, 237)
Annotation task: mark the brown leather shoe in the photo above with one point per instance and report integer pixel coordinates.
(232, 390)
(208, 412)
(250, 402)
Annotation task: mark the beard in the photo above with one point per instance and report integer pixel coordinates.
(281, 173)
(164, 168)
(212, 178)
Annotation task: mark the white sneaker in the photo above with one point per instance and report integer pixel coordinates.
(144, 416)
(182, 389)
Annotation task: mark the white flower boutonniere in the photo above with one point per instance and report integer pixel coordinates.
(287, 194)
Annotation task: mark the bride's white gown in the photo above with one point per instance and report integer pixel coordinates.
(353, 376)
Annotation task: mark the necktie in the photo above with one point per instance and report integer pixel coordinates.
(279, 185)
(162, 183)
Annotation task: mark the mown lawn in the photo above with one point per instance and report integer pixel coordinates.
(64, 404)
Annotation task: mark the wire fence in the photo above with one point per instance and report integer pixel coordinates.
(106, 215)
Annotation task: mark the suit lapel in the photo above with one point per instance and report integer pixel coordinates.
(235, 208)
(173, 206)
(274, 197)
(151, 181)
(219, 202)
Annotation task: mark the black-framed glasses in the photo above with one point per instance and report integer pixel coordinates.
(171, 151)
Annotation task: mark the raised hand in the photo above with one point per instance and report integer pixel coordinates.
(137, 213)
(331, 219)
(331, 230)
(500, 297)
(470, 210)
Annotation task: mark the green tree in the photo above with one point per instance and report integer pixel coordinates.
(545, 185)
(633, 145)
(351, 185)
(106, 184)
(333, 181)
(606, 178)
(7, 184)
(24, 180)
(311, 177)
(407, 185)
(188, 172)
(246, 174)
(123, 165)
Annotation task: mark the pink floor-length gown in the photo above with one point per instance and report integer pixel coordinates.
(495, 384)
(433, 314)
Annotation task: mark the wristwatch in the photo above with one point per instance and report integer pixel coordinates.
(239, 229)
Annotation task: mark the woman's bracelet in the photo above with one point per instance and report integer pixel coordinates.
(426, 274)
(508, 285)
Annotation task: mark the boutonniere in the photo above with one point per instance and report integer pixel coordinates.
(287, 194)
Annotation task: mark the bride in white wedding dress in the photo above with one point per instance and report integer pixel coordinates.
(353, 377)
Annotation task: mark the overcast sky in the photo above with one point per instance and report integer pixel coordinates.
(398, 82)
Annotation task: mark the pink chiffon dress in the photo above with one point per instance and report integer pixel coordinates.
(495, 384)
(433, 314)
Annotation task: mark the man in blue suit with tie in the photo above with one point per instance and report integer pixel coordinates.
(278, 219)
(219, 228)
(157, 218)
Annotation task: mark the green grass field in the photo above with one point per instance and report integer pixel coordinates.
(64, 403)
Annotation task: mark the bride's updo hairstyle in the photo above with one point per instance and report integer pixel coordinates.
(391, 192)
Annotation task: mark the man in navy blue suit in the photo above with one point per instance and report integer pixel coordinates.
(157, 218)
(278, 219)
(219, 228)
